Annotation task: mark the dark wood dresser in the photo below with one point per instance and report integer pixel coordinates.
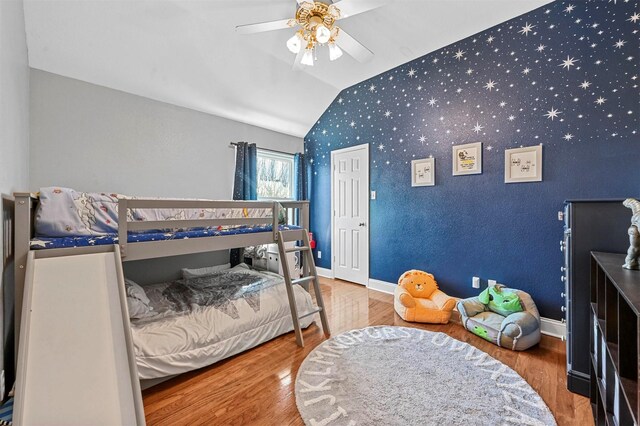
(615, 315)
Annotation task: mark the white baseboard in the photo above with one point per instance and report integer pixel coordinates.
(553, 328)
(548, 326)
(324, 272)
(381, 286)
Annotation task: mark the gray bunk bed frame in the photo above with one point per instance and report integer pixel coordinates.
(25, 204)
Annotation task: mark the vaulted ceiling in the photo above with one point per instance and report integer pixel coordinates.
(186, 52)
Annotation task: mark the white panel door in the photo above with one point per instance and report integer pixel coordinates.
(350, 183)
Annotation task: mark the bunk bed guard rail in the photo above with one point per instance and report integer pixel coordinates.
(125, 225)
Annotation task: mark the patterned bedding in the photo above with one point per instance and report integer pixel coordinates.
(67, 218)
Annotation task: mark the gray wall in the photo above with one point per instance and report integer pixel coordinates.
(92, 138)
(14, 142)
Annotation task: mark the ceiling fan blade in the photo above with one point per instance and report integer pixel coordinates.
(353, 47)
(349, 8)
(297, 64)
(263, 26)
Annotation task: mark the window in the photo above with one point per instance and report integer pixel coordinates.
(275, 175)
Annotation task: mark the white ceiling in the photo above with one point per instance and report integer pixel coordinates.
(186, 52)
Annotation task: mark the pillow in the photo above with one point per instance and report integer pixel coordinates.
(501, 301)
(137, 301)
(208, 270)
(136, 291)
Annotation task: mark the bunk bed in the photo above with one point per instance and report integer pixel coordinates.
(156, 236)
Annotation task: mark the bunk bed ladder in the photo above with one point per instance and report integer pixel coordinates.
(310, 276)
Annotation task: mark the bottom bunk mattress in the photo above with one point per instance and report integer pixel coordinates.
(196, 322)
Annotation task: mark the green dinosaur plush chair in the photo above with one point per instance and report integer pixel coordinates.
(504, 316)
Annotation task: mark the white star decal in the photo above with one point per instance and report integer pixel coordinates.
(511, 117)
(619, 44)
(372, 88)
(422, 139)
(459, 54)
(435, 60)
(411, 73)
(490, 85)
(469, 71)
(340, 100)
(569, 8)
(526, 71)
(526, 29)
(568, 63)
(585, 84)
(490, 39)
(567, 137)
(432, 101)
(541, 47)
(489, 148)
(552, 114)
(600, 100)
(324, 132)
(459, 90)
(387, 113)
(634, 18)
(381, 147)
(477, 128)
(502, 104)
(419, 88)
(352, 124)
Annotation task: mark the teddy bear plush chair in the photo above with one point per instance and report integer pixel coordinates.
(417, 299)
(504, 316)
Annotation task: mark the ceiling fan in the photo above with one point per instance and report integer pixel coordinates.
(316, 21)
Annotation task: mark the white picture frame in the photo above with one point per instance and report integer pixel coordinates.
(423, 172)
(467, 159)
(523, 164)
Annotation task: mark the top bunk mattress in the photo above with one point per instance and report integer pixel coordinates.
(39, 243)
(68, 218)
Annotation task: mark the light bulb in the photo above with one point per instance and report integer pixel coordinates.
(294, 44)
(307, 58)
(322, 34)
(334, 51)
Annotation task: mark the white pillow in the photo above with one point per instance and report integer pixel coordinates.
(137, 301)
(136, 291)
(200, 272)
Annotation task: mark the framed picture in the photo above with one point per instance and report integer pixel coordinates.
(523, 164)
(423, 172)
(467, 159)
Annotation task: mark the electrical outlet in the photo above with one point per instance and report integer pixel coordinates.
(492, 283)
(560, 215)
(319, 254)
(475, 283)
(373, 195)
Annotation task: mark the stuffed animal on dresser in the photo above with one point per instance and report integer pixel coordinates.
(632, 261)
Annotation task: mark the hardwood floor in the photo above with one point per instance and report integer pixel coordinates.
(257, 386)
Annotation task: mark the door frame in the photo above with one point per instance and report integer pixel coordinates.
(364, 146)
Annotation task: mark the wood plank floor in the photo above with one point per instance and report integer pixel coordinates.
(257, 387)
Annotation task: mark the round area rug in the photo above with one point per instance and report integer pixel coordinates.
(407, 376)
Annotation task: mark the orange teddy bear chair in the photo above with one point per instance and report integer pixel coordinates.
(417, 299)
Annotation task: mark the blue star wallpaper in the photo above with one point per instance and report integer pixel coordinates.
(564, 76)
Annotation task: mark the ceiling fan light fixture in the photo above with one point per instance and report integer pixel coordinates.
(294, 44)
(334, 51)
(307, 58)
(323, 34)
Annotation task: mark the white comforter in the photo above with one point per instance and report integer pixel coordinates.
(176, 344)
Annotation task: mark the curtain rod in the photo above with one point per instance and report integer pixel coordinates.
(234, 144)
